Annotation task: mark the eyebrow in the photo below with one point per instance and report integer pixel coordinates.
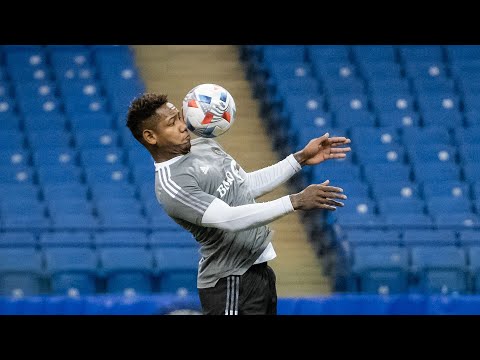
(168, 118)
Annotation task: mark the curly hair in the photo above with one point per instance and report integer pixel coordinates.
(142, 109)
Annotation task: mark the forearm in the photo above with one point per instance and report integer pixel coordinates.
(222, 216)
(265, 180)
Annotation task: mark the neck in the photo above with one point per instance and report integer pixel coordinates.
(161, 155)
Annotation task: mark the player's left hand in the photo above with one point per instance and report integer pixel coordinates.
(323, 148)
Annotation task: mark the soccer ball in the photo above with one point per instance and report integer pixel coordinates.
(209, 110)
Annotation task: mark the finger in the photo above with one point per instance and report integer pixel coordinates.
(339, 143)
(332, 195)
(333, 202)
(337, 156)
(340, 150)
(323, 137)
(327, 207)
(326, 182)
(331, 188)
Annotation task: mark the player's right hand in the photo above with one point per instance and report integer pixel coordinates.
(318, 196)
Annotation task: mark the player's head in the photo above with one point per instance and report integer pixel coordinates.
(158, 125)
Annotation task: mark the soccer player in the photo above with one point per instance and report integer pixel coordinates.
(206, 191)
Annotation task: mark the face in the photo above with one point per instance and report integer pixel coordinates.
(169, 132)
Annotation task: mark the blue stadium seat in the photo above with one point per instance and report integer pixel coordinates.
(14, 157)
(102, 156)
(45, 122)
(428, 237)
(120, 239)
(105, 191)
(355, 220)
(177, 268)
(327, 53)
(126, 268)
(107, 174)
(398, 119)
(474, 268)
(357, 237)
(12, 139)
(433, 85)
(369, 136)
(425, 135)
(467, 238)
(67, 239)
(18, 191)
(449, 119)
(432, 153)
(389, 102)
(380, 70)
(61, 156)
(447, 205)
(96, 138)
(9, 121)
(50, 139)
(73, 191)
(400, 205)
(21, 175)
(468, 136)
(471, 172)
(91, 121)
(415, 53)
(397, 189)
(428, 172)
(21, 271)
(18, 239)
(374, 53)
(71, 270)
(380, 269)
(459, 221)
(132, 221)
(445, 189)
(439, 269)
(427, 69)
(59, 174)
(336, 173)
(406, 221)
(285, 53)
(356, 189)
(75, 222)
(60, 207)
(392, 171)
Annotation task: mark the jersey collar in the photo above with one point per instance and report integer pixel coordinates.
(162, 164)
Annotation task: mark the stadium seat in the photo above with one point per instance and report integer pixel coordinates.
(177, 268)
(72, 271)
(126, 269)
(21, 271)
(120, 239)
(440, 270)
(380, 269)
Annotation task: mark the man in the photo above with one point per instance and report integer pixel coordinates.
(204, 190)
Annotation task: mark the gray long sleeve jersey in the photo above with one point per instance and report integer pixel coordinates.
(188, 185)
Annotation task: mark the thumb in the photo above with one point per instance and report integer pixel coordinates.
(326, 182)
(323, 137)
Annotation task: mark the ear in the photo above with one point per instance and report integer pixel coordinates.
(149, 137)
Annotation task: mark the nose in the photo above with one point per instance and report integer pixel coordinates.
(183, 126)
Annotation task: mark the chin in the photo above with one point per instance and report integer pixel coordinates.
(187, 148)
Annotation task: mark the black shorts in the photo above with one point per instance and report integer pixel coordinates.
(253, 293)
